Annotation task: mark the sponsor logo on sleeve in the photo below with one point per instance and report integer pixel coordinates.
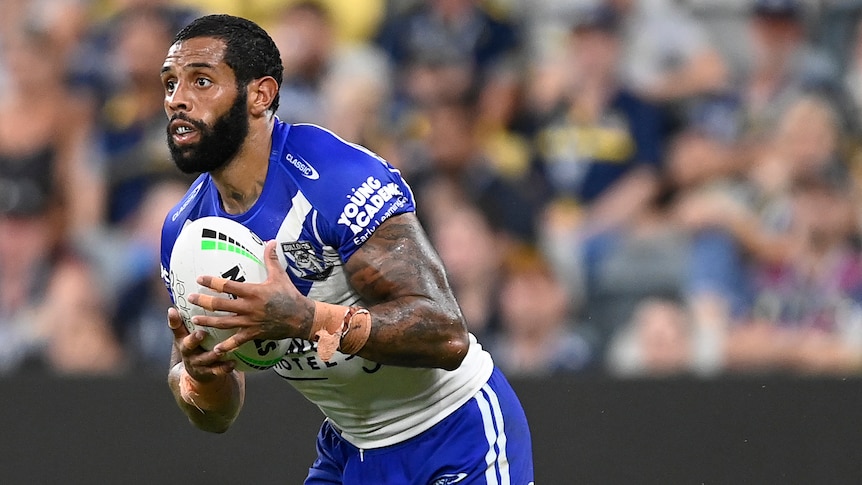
(362, 211)
(303, 166)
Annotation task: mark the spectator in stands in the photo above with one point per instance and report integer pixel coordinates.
(134, 289)
(804, 145)
(88, 72)
(306, 40)
(661, 340)
(708, 176)
(784, 64)
(447, 48)
(807, 317)
(669, 55)
(599, 146)
(48, 196)
(472, 253)
(655, 343)
(131, 121)
(356, 99)
(537, 334)
(449, 151)
(602, 144)
(791, 226)
(458, 28)
(44, 159)
(626, 264)
(74, 323)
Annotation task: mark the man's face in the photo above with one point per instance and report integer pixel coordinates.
(595, 50)
(775, 38)
(208, 114)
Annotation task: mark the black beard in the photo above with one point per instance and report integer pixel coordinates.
(218, 144)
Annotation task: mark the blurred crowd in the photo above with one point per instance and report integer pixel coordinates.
(628, 188)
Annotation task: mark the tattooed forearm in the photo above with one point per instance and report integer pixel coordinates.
(416, 320)
(280, 308)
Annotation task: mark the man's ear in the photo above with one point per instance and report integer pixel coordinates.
(261, 93)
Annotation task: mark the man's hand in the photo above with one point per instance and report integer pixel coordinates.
(200, 364)
(271, 310)
(205, 387)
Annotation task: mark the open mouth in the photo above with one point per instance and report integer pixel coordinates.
(183, 132)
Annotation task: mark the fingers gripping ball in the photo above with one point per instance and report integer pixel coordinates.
(220, 247)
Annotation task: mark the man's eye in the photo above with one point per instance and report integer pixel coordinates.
(203, 82)
(170, 86)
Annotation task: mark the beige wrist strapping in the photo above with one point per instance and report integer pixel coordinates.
(200, 395)
(339, 327)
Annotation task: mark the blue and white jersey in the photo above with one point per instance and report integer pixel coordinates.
(322, 198)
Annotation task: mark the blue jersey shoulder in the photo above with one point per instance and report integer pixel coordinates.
(352, 188)
(316, 152)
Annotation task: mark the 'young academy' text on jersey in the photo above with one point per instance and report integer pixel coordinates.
(322, 198)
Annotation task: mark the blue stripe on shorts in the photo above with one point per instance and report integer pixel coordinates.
(485, 442)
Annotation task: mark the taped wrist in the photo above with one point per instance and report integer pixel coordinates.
(201, 395)
(338, 327)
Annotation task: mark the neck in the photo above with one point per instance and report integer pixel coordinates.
(590, 100)
(240, 182)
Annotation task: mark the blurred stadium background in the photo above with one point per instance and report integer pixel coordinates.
(649, 210)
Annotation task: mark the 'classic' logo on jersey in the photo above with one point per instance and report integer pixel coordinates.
(303, 166)
(304, 262)
(191, 197)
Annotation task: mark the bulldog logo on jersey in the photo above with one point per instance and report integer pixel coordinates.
(304, 262)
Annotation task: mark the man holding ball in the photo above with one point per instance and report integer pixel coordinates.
(377, 340)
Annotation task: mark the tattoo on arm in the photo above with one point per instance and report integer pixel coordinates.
(281, 309)
(416, 320)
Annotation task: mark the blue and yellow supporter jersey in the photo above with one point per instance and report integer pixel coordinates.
(583, 159)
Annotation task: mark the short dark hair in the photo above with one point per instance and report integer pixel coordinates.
(249, 50)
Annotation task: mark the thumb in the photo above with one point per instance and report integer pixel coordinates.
(273, 266)
(175, 322)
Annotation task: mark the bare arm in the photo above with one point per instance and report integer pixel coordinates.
(416, 320)
(624, 199)
(705, 72)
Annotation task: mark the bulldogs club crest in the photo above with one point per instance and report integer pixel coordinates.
(304, 262)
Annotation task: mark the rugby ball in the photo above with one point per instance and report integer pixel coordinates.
(217, 246)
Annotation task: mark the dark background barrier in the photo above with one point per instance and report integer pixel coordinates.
(728, 431)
